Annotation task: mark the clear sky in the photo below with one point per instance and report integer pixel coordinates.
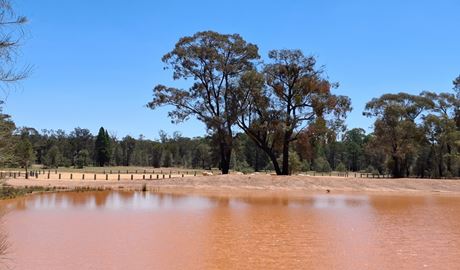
(96, 62)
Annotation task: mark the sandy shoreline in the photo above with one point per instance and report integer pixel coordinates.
(227, 184)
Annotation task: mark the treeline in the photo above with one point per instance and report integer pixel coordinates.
(414, 135)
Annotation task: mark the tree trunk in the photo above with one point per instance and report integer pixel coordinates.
(27, 173)
(287, 137)
(285, 170)
(276, 166)
(256, 161)
(225, 155)
(396, 170)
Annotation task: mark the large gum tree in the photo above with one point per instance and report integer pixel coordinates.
(285, 98)
(395, 128)
(214, 63)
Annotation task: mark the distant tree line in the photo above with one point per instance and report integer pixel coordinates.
(414, 135)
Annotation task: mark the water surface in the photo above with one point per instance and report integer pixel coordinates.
(134, 230)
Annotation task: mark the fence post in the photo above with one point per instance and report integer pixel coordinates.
(143, 177)
(83, 176)
(71, 176)
(118, 177)
(94, 176)
(131, 177)
(59, 176)
(106, 177)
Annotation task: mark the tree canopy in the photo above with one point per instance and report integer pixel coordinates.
(285, 98)
(214, 62)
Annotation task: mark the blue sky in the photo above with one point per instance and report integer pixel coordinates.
(95, 62)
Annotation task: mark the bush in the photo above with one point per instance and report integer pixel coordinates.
(341, 167)
(305, 166)
(372, 170)
(321, 165)
(246, 170)
(82, 159)
(294, 162)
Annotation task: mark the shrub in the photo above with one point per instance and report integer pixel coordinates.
(341, 167)
(321, 165)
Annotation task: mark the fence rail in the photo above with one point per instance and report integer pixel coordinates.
(161, 174)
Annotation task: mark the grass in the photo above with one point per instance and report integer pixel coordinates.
(9, 192)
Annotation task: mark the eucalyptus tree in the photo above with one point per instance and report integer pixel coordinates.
(456, 88)
(286, 97)
(128, 145)
(214, 62)
(7, 128)
(24, 153)
(442, 132)
(395, 128)
(354, 141)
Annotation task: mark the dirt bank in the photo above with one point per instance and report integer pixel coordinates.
(250, 183)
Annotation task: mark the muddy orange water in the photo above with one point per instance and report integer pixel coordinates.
(129, 230)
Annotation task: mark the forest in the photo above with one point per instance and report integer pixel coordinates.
(279, 115)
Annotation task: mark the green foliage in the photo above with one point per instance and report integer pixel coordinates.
(6, 138)
(305, 166)
(53, 158)
(102, 148)
(167, 159)
(294, 162)
(24, 152)
(321, 165)
(289, 94)
(395, 128)
(214, 63)
(372, 170)
(82, 159)
(341, 167)
(128, 145)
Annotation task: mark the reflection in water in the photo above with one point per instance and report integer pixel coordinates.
(135, 230)
(4, 244)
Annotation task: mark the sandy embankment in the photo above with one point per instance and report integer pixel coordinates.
(250, 183)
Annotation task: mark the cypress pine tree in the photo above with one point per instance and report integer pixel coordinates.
(102, 147)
